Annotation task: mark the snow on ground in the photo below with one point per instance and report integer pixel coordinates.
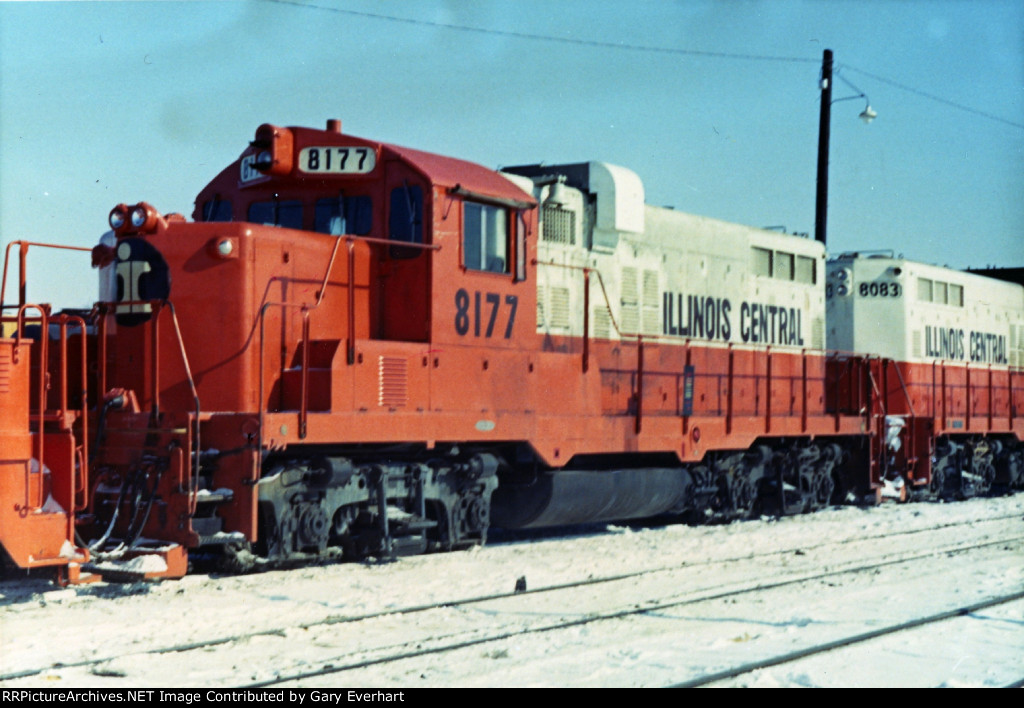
(42, 625)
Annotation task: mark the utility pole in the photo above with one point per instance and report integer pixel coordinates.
(821, 203)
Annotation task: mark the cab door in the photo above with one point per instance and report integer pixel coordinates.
(404, 312)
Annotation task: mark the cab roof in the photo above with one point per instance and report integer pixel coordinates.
(451, 172)
(447, 172)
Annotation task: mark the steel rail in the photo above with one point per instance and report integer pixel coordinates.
(332, 668)
(848, 641)
(715, 593)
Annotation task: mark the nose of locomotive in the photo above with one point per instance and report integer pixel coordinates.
(140, 274)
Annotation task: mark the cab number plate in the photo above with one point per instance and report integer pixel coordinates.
(337, 160)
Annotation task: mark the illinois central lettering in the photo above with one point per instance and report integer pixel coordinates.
(770, 324)
(707, 317)
(957, 344)
(988, 348)
(697, 316)
(943, 342)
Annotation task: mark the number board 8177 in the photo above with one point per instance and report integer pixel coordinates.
(336, 160)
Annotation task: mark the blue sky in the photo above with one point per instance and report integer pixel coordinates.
(108, 102)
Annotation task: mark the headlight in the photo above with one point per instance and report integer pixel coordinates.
(118, 216)
(139, 217)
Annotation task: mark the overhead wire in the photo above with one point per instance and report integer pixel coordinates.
(933, 97)
(640, 48)
(545, 37)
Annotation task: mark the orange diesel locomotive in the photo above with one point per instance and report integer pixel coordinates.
(357, 349)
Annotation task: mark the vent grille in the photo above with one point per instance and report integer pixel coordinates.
(916, 350)
(652, 300)
(5, 370)
(650, 288)
(602, 323)
(630, 292)
(559, 307)
(394, 382)
(630, 319)
(818, 333)
(651, 321)
(559, 226)
(630, 301)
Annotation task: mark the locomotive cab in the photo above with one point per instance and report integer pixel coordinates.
(426, 217)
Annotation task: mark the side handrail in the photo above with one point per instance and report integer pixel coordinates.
(903, 387)
(46, 320)
(80, 487)
(23, 266)
(306, 309)
(1010, 408)
(23, 248)
(44, 354)
(587, 270)
(911, 457)
(194, 481)
(874, 388)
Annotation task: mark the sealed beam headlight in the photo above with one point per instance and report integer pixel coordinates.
(842, 290)
(118, 217)
(139, 216)
(225, 247)
(144, 217)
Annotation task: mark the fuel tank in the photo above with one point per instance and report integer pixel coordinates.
(567, 497)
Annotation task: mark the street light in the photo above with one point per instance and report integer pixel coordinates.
(867, 115)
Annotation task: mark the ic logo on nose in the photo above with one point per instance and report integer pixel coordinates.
(141, 275)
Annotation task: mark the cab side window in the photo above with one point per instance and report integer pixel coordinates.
(485, 238)
(344, 215)
(276, 213)
(405, 219)
(406, 222)
(216, 210)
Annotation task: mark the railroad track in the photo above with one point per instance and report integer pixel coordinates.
(441, 642)
(453, 643)
(826, 647)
